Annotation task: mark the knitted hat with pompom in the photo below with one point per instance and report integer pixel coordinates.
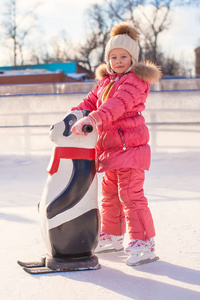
(123, 35)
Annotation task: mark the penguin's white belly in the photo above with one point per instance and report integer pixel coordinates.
(88, 202)
(57, 182)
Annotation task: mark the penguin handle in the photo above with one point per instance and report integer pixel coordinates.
(87, 128)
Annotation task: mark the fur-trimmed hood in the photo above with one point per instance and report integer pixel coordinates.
(147, 71)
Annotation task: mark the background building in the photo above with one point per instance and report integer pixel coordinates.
(197, 61)
(44, 73)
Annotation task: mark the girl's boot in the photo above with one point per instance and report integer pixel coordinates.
(109, 243)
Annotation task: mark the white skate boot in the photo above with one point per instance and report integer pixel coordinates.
(109, 243)
(140, 252)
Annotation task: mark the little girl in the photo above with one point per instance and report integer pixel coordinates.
(122, 150)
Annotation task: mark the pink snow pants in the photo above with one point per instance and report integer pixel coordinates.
(124, 202)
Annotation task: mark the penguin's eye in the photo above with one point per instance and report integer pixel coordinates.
(69, 121)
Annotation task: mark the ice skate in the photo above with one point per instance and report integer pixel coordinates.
(109, 243)
(140, 252)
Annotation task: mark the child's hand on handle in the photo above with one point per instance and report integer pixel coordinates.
(78, 126)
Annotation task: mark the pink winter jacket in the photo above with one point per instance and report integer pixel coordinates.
(122, 134)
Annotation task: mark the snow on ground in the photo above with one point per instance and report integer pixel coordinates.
(173, 189)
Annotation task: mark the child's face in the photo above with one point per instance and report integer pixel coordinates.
(120, 60)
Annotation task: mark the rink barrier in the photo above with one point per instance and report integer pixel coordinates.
(165, 84)
(43, 110)
(147, 123)
(164, 137)
(25, 119)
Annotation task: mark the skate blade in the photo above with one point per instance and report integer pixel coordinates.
(50, 264)
(142, 262)
(108, 251)
(34, 264)
(46, 270)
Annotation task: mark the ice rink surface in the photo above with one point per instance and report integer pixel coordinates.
(173, 190)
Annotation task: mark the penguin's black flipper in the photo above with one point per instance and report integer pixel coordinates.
(82, 176)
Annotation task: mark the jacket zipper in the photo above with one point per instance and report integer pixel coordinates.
(122, 139)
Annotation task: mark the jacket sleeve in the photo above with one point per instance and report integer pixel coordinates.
(90, 102)
(130, 96)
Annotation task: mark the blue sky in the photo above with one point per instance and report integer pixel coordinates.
(69, 15)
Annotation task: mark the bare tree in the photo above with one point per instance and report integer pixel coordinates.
(103, 17)
(156, 19)
(97, 38)
(18, 26)
(60, 49)
(122, 10)
(85, 51)
(151, 17)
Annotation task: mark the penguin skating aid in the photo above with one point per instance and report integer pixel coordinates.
(69, 213)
